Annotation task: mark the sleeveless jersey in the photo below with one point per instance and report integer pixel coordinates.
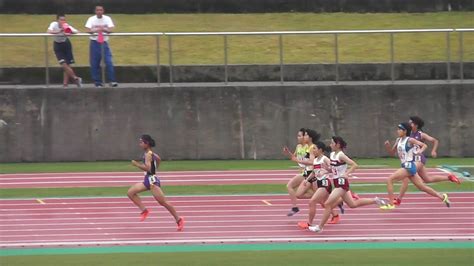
(301, 153)
(318, 166)
(307, 155)
(405, 150)
(154, 163)
(420, 157)
(338, 167)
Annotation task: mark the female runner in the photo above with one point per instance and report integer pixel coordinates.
(323, 184)
(416, 124)
(151, 182)
(294, 185)
(405, 147)
(339, 162)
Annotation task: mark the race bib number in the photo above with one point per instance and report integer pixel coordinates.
(152, 179)
(341, 181)
(407, 165)
(324, 183)
(418, 158)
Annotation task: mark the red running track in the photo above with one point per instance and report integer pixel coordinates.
(224, 219)
(120, 179)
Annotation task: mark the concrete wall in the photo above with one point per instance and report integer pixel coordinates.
(231, 6)
(224, 122)
(215, 73)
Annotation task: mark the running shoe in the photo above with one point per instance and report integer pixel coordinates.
(315, 229)
(335, 220)
(397, 201)
(387, 207)
(293, 211)
(143, 215)
(453, 178)
(341, 207)
(180, 224)
(303, 225)
(79, 82)
(380, 202)
(354, 195)
(446, 200)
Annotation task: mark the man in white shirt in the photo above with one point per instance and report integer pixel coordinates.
(100, 26)
(63, 48)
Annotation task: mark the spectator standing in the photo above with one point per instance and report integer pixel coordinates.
(100, 26)
(63, 48)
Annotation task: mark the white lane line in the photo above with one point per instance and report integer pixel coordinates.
(93, 226)
(74, 211)
(156, 221)
(196, 172)
(359, 174)
(192, 198)
(315, 238)
(51, 209)
(149, 200)
(276, 214)
(248, 231)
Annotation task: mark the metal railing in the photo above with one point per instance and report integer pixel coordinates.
(280, 34)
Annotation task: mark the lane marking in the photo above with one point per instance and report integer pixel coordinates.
(40, 201)
(417, 194)
(234, 240)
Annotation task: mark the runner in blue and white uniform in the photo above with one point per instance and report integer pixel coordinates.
(404, 146)
(416, 124)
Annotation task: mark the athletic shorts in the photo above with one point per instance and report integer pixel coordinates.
(410, 167)
(151, 179)
(63, 51)
(341, 182)
(325, 183)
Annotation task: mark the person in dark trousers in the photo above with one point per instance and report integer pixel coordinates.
(63, 48)
(100, 26)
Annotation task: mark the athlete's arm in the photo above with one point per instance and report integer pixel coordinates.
(349, 161)
(146, 166)
(287, 151)
(434, 150)
(391, 149)
(304, 162)
(311, 177)
(158, 160)
(326, 166)
(422, 145)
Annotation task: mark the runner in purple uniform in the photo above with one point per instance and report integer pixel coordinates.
(149, 164)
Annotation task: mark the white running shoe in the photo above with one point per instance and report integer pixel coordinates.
(380, 201)
(315, 229)
(79, 82)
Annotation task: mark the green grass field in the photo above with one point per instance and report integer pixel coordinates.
(423, 47)
(201, 165)
(366, 257)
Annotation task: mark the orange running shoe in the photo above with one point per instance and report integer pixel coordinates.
(303, 225)
(397, 201)
(180, 224)
(143, 215)
(335, 220)
(453, 178)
